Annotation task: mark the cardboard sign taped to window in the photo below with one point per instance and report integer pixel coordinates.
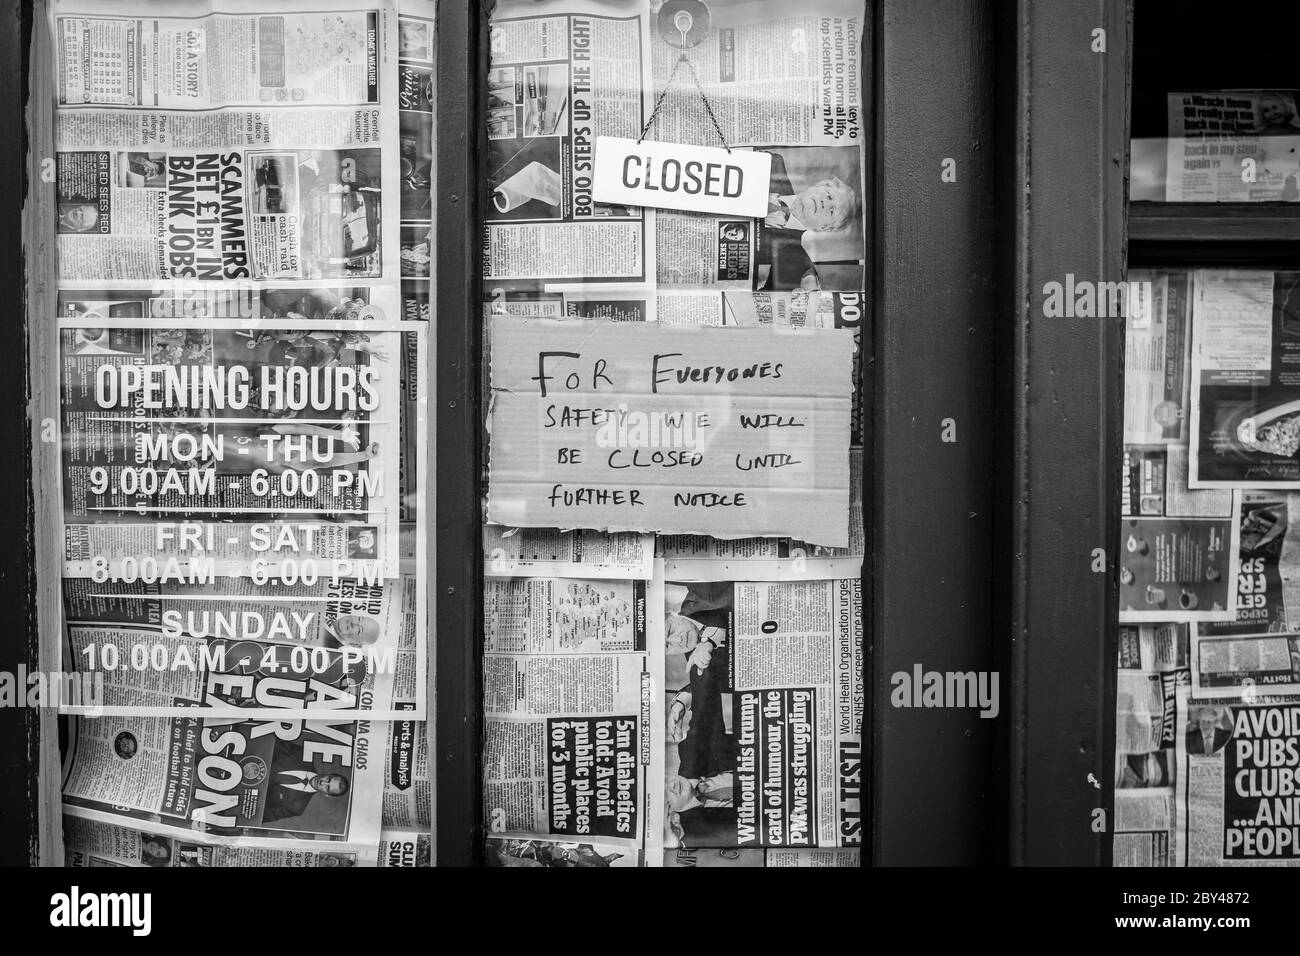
(683, 430)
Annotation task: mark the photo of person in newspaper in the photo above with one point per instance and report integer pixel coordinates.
(141, 169)
(700, 760)
(295, 786)
(814, 216)
(1209, 728)
(548, 853)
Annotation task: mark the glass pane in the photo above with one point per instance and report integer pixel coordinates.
(1209, 127)
(673, 550)
(240, 349)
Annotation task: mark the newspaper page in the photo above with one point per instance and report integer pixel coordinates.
(570, 740)
(1233, 146)
(1236, 783)
(764, 700)
(1245, 421)
(1144, 825)
(1152, 666)
(238, 782)
(98, 843)
(560, 76)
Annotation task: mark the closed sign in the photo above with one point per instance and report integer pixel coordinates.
(681, 176)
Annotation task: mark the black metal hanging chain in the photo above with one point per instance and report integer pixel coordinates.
(708, 107)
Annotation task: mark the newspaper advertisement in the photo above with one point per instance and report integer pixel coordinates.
(99, 843)
(570, 748)
(1236, 783)
(764, 700)
(1180, 552)
(1267, 570)
(170, 433)
(1245, 666)
(1233, 146)
(1245, 422)
(559, 77)
(415, 99)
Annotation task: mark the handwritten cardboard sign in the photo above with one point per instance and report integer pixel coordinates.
(681, 176)
(631, 426)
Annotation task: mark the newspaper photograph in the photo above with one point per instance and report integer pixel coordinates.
(1236, 783)
(559, 77)
(811, 238)
(763, 701)
(529, 851)
(170, 433)
(1245, 427)
(1233, 146)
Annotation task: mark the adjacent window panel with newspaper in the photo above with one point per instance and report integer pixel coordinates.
(1209, 639)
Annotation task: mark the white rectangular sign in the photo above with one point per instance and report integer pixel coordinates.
(682, 176)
